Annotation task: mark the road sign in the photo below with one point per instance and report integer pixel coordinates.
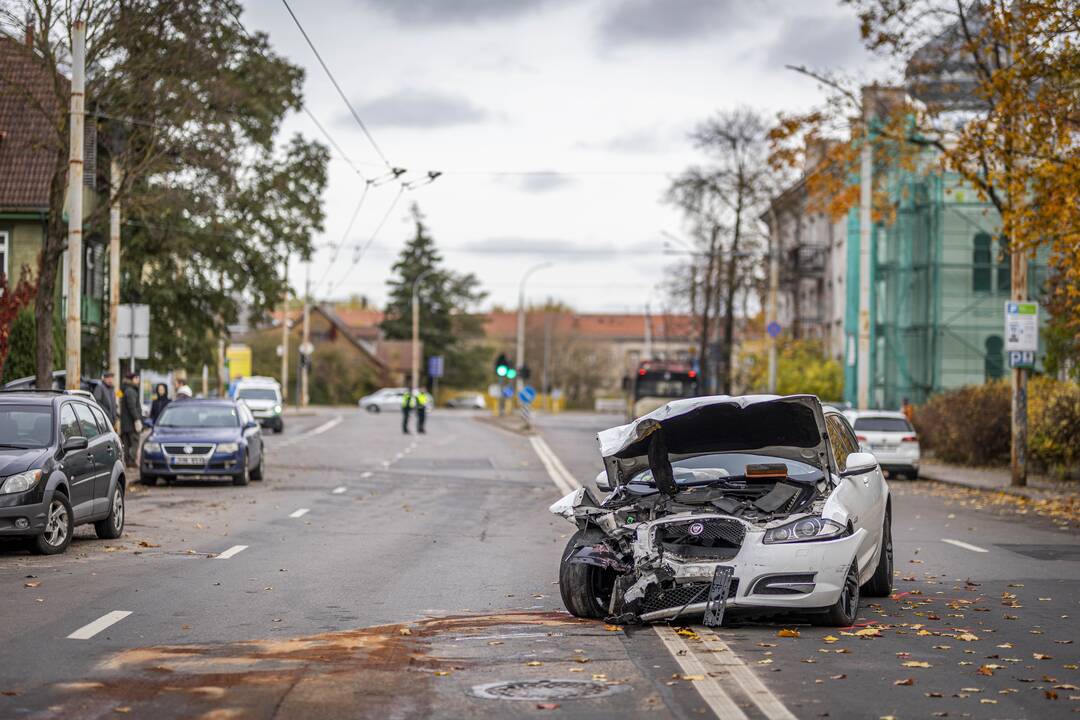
(508, 391)
(527, 394)
(435, 366)
(1021, 359)
(133, 331)
(773, 329)
(1021, 326)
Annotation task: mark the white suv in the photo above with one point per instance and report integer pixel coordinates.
(262, 395)
(890, 437)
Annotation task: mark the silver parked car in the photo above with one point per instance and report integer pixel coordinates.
(383, 399)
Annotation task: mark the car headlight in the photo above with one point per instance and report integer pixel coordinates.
(277, 409)
(803, 530)
(20, 483)
(151, 447)
(228, 447)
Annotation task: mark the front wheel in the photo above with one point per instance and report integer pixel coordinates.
(59, 527)
(257, 473)
(846, 609)
(245, 475)
(112, 527)
(585, 589)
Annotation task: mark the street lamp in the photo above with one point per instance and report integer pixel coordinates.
(519, 356)
(416, 328)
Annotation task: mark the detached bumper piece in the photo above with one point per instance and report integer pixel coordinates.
(718, 595)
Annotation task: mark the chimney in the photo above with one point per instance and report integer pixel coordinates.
(29, 30)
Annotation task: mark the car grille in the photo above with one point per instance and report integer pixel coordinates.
(680, 595)
(713, 538)
(195, 449)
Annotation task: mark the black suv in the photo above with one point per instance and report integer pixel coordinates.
(61, 465)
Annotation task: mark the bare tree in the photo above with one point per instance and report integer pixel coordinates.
(721, 203)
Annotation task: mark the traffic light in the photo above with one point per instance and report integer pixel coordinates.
(511, 373)
(525, 372)
(502, 366)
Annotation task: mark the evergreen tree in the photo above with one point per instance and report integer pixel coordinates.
(447, 325)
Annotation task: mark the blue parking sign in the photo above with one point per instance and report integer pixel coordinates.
(527, 394)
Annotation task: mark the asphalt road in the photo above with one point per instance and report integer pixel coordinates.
(381, 575)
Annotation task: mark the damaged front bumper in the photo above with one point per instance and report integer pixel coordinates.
(782, 577)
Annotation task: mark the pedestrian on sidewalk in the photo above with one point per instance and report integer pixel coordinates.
(422, 402)
(408, 400)
(161, 399)
(105, 394)
(131, 418)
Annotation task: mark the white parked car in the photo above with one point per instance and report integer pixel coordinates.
(890, 437)
(754, 505)
(468, 401)
(384, 399)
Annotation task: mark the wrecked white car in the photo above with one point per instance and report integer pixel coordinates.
(752, 505)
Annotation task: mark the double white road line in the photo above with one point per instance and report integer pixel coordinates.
(726, 679)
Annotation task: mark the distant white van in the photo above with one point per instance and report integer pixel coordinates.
(262, 395)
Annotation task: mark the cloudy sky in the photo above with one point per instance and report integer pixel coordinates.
(556, 125)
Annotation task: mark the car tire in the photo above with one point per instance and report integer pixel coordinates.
(149, 480)
(112, 527)
(880, 584)
(279, 428)
(257, 473)
(245, 475)
(846, 609)
(374, 409)
(913, 475)
(585, 589)
(56, 538)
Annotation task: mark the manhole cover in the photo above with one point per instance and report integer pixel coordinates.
(545, 690)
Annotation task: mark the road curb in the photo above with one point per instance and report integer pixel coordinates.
(1029, 493)
(507, 423)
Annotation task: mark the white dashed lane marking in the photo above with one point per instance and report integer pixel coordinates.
(231, 552)
(966, 546)
(339, 490)
(328, 425)
(91, 629)
(365, 474)
(299, 513)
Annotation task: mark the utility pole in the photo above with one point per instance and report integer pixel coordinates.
(114, 269)
(416, 327)
(75, 208)
(866, 170)
(774, 288)
(1019, 284)
(305, 344)
(519, 353)
(285, 335)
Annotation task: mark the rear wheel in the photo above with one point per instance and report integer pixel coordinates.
(880, 584)
(585, 589)
(150, 480)
(59, 527)
(373, 409)
(112, 527)
(846, 609)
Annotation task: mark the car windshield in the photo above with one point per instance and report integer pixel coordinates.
(186, 414)
(257, 394)
(883, 424)
(25, 426)
(708, 468)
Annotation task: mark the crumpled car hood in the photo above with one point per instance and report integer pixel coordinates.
(791, 426)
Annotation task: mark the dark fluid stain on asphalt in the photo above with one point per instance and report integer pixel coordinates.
(376, 672)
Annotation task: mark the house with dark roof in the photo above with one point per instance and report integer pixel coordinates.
(32, 131)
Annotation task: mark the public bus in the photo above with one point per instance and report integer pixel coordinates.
(657, 382)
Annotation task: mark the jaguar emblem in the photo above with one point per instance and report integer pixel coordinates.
(696, 529)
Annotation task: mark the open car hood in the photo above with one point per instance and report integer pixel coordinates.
(791, 426)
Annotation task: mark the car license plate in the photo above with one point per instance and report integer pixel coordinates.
(188, 461)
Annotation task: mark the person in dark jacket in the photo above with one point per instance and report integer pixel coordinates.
(105, 394)
(161, 399)
(131, 418)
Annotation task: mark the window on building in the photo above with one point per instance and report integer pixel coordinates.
(4, 252)
(1004, 268)
(982, 264)
(994, 363)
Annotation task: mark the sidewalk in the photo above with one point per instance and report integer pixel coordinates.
(997, 479)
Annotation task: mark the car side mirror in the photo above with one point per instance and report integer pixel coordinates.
(148, 422)
(78, 442)
(602, 482)
(858, 463)
(250, 424)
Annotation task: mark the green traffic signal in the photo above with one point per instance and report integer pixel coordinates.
(511, 373)
(501, 371)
